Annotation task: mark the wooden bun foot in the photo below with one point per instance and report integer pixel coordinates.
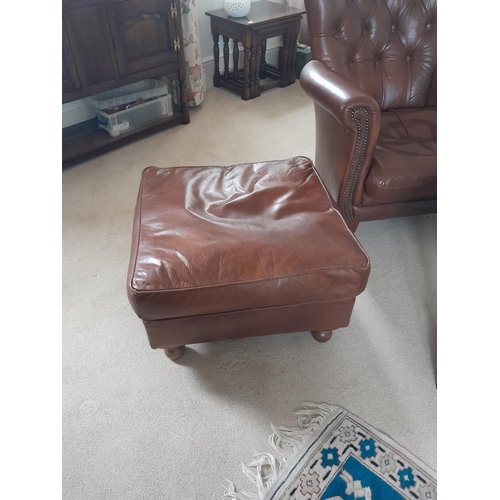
(175, 352)
(324, 336)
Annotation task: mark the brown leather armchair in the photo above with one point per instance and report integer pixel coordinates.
(372, 77)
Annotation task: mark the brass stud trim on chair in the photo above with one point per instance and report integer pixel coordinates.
(361, 156)
(351, 167)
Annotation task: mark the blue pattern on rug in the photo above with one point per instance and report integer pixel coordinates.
(342, 458)
(347, 459)
(353, 477)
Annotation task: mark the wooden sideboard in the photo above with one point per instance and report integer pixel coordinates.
(111, 43)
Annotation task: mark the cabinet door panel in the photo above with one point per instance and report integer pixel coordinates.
(70, 79)
(89, 41)
(143, 34)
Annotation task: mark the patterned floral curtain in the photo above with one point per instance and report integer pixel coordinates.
(194, 87)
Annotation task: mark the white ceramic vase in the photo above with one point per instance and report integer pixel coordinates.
(237, 8)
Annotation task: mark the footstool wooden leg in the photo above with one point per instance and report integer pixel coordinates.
(324, 336)
(175, 352)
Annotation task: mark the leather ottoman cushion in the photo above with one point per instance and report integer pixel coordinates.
(404, 163)
(215, 239)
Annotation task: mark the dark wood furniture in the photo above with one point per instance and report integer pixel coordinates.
(265, 20)
(111, 43)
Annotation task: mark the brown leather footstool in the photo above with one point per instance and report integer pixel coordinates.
(229, 252)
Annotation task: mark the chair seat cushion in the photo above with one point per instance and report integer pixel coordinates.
(404, 163)
(214, 239)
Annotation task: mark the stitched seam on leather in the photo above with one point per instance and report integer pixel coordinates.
(139, 216)
(303, 162)
(259, 280)
(332, 301)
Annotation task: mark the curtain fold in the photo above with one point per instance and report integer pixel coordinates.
(194, 88)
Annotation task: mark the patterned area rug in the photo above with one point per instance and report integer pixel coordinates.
(335, 456)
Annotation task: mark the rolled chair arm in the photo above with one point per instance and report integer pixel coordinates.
(347, 128)
(336, 94)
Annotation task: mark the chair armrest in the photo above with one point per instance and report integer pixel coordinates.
(347, 128)
(335, 94)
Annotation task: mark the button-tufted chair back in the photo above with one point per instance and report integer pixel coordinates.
(387, 48)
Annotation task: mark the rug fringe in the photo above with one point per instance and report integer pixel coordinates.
(308, 419)
(264, 469)
(231, 494)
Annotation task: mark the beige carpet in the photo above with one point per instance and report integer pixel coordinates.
(138, 426)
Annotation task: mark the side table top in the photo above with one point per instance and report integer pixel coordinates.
(260, 12)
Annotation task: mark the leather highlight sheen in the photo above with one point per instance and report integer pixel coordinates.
(377, 58)
(209, 240)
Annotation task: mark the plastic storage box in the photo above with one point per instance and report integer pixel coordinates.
(129, 119)
(147, 89)
(302, 58)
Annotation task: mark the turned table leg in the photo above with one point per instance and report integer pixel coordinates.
(216, 60)
(283, 64)
(246, 71)
(225, 51)
(323, 336)
(236, 56)
(175, 352)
